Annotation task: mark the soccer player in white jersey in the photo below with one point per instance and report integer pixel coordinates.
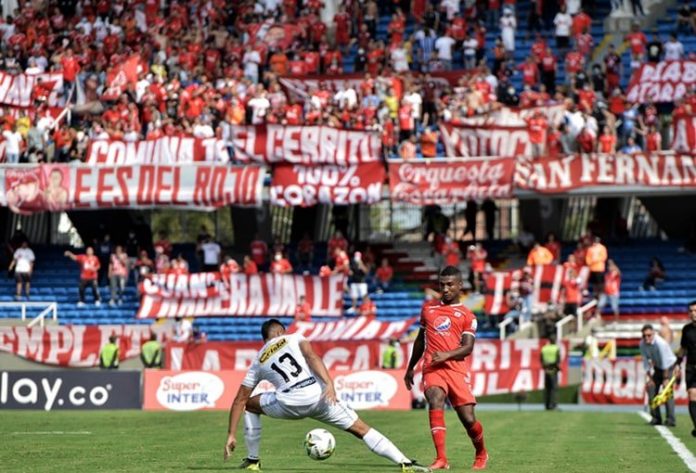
(304, 389)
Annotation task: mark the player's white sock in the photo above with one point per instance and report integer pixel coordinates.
(382, 446)
(252, 434)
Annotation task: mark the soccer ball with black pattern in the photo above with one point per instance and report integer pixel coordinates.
(319, 444)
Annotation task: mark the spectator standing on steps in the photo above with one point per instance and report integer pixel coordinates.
(211, 255)
(551, 362)
(358, 273)
(118, 275)
(89, 268)
(23, 265)
(659, 362)
(596, 260)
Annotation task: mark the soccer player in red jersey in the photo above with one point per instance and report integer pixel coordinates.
(447, 335)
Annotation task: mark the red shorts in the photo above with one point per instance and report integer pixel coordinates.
(455, 384)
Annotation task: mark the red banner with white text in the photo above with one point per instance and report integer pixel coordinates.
(497, 367)
(617, 172)
(299, 185)
(620, 381)
(447, 182)
(121, 75)
(547, 282)
(182, 149)
(75, 346)
(21, 90)
(35, 188)
(209, 294)
(665, 81)
(485, 140)
(304, 145)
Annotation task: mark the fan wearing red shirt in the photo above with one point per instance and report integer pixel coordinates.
(586, 141)
(477, 255)
(336, 242)
(250, 266)
(342, 22)
(259, 250)
(446, 337)
(581, 23)
(367, 308)
(451, 253)
(537, 126)
(280, 265)
(89, 269)
(637, 40)
(612, 288)
(70, 65)
(530, 71)
(574, 62)
(607, 141)
(303, 312)
(384, 275)
(653, 140)
(572, 291)
(342, 262)
(228, 268)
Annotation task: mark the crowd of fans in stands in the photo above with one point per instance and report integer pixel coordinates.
(210, 65)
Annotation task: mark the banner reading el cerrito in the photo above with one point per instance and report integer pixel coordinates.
(208, 294)
(450, 181)
(179, 149)
(618, 172)
(54, 188)
(208, 390)
(665, 81)
(304, 144)
(300, 185)
(75, 346)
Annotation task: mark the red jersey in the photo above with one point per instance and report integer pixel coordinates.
(281, 266)
(384, 273)
(638, 40)
(574, 62)
(607, 143)
(537, 129)
(573, 293)
(612, 283)
(226, 269)
(303, 312)
(258, 251)
(250, 268)
(89, 265)
(368, 309)
(443, 326)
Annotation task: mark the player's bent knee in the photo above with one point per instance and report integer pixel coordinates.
(253, 405)
(359, 429)
(436, 397)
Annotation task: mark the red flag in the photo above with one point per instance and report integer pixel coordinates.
(118, 77)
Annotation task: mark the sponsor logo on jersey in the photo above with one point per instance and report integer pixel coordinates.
(442, 323)
(270, 351)
(457, 314)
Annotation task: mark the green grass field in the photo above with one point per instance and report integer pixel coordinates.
(519, 442)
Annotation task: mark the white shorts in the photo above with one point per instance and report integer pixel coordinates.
(338, 415)
(358, 290)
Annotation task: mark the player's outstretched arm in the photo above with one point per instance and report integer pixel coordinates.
(458, 354)
(316, 364)
(236, 411)
(416, 354)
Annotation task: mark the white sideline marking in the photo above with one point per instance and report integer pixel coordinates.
(676, 444)
(53, 432)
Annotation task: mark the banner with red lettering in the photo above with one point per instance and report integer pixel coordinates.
(120, 76)
(449, 181)
(665, 81)
(21, 90)
(304, 145)
(299, 185)
(75, 346)
(620, 381)
(182, 149)
(209, 294)
(299, 87)
(611, 172)
(206, 390)
(48, 187)
(358, 328)
(547, 282)
(485, 140)
(514, 116)
(497, 367)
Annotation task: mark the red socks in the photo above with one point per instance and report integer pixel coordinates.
(476, 434)
(438, 431)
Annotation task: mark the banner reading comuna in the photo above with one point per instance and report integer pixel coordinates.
(75, 346)
(208, 294)
(485, 140)
(300, 185)
(35, 188)
(304, 144)
(662, 171)
(665, 81)
(180, 149)
(454, 180)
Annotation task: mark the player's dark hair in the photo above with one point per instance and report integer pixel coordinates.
(268, 325)
(646, 327)
(451, 271)
(692, 303)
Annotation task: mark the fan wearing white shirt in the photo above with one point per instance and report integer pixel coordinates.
(23, 265)
(563, 22)
(443, 46)
(259, 107)
(211, 255)
(13, 144)
(674, 49)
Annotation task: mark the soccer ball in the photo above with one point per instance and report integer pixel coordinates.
(319, 444)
